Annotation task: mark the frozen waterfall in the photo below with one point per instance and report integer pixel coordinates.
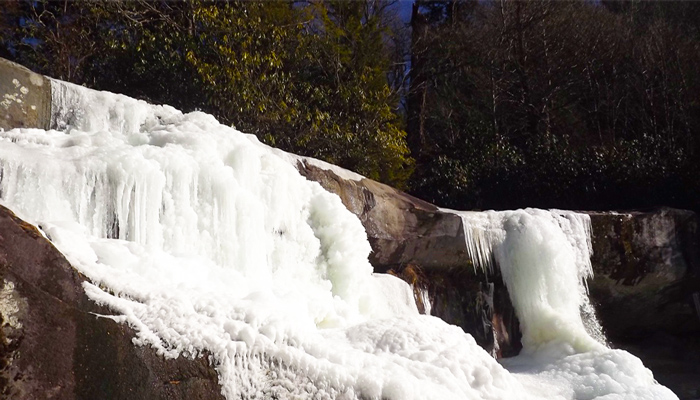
(205, 240)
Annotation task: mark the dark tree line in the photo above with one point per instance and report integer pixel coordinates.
(503, 104)
(581, 105)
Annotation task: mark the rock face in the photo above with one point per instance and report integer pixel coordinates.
(647, 266)
(400, 227)
(25, 97)
(55, 343)
(425, 246)
(646, 290)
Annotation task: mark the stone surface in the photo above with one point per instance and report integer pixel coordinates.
(425, 246)
(646, 290)
(647, 270)
(25, 97)
(401, 228)
(477, 303)
(55, 345)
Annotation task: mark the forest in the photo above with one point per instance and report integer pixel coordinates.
(470, 104)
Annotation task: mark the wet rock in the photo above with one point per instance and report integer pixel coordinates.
(408, 235)
(468, 298)
(646, 290)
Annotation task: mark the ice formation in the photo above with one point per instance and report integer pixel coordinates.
(203, 239)
(544, 260)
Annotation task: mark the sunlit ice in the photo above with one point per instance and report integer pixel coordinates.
(208, 242)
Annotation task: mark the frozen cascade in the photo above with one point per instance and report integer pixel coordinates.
(203, 239)
(490, 243)
(425, 299)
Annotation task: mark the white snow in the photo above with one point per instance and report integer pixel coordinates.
(340, 172)
(203, 239)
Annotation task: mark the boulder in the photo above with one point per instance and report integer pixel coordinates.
(426, 246)
(25, 97)
(55, 343)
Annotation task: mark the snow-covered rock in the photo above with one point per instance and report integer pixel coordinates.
(54, 342)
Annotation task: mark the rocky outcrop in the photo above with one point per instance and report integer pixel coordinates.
(57, 344)
(647, 271)
(646, 263)
(25, 97)
(400, 227)
(646, 290)
(425, 246)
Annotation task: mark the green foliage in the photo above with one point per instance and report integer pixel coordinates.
(311, 78)
(345, 76)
